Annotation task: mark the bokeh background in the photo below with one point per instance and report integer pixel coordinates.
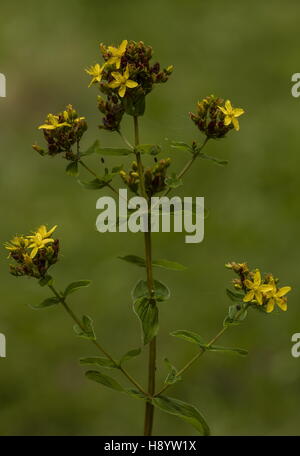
(244, 51)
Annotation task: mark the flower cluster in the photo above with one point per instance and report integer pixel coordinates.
(154, 177)
(262, 292)
(62, 131)
(215, 118)
(125, 78)
(33, 254)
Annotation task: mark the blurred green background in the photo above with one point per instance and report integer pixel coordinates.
(244, 51)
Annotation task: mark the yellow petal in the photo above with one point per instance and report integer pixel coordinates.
(123, 46)
(270, 306)
(50, 231)
(282, 304)
(283, 291)
(249, 296)
(114, 84)
(265, 288)
(42, 230)
(131, 84)
(126, 73)
(227, 120)
(46, 127)
(257, 278)
(112, 60)
(228, 106)
(249, 284)
(237, 112)
(122, 91)
(258, 297)
(222, 109)
(34, 252)
(236, 124)
(118, 63)
(47, 241)
(117, 76)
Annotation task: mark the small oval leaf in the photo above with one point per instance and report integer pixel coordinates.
(99, 361)
(104, 380)
(74, 286)
(185, 411)
(189, 336)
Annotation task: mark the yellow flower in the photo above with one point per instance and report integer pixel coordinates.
(96, 72)
(256, 289)
(53, 123)
(117, 53)
(122, 81)
(231, 115)
(18, 242)
(276, 297)
(40, 239)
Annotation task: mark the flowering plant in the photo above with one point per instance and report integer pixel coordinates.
(125, 78)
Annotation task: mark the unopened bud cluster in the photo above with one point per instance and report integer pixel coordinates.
(154, 177)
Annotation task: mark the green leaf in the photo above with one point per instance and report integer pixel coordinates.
(72, 169)
(74, 286)
(237, 312)
(94, 184)
(87, 330)
(134, 106)
(138, 261)
(104, 380)
(96, 149)
(100, 361)
(150, 149)
(165, 264)
(47, 280)
(218, 348)
(113, 151)
(234, 296)
(161, 291)
(92, 149)
(185, 411)
(135, 393)
(236, 315)
(49, 302)
(173, 181)
(189, 336)
(181, 146)
(214, 159)
(130, 354)
(171, 265)
(172, 376)
(230, 322)
(147, 312)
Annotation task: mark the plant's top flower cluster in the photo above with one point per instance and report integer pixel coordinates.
(215, 118)
(154, 177)
(33, 254)
(62, 131)
(126, 77)
(261, 292)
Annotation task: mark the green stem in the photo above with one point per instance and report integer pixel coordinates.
(96, 176)
(201, 353)
(102, 350)
(149, 410)
(188, 165)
